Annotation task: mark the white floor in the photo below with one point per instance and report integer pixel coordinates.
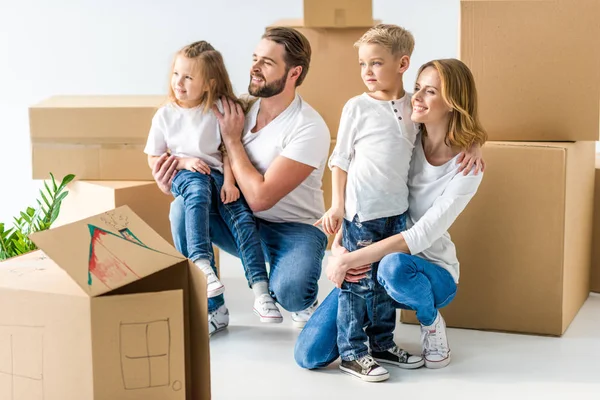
(251, 360)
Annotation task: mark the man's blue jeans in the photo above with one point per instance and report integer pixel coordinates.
(366, 301)
(414, 284)
(293, 250)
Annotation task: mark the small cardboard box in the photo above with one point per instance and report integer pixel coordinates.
(524, 240)
(338, 13)
(88, 198)
(93, 137)
(106, 309)
(334, 74)
(595, 276)
(534, 61)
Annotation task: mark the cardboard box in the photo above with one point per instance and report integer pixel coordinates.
(93, 137)
(338, 13)
(595, 275)
(88, 198)
(534, 62)
(107, 309)
(524, 241)
(334, 74)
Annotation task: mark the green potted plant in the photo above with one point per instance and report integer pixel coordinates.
(15, 241)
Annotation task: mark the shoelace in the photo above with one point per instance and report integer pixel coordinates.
(366, 362)
(398, 352)
(433, 343)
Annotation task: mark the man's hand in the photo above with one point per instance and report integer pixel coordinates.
(194, 164)
(229, 193)
(164, 171)
(231, 120)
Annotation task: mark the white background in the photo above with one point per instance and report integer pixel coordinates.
(51, 47)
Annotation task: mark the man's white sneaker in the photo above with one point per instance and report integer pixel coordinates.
(435, 344)
(267, 310)
(218, 320)
(214, 287)
(300, 318)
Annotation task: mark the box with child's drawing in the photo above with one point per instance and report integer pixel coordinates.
(93, 137)
(103, 310)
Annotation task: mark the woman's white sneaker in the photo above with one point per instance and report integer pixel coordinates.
(435, 344)
(267, 310)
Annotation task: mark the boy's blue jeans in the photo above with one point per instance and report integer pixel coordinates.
(366, 300)
(201, 194)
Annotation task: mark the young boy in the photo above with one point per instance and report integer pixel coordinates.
(370, 166)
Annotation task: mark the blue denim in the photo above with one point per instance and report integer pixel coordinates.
(201, 195)
(366, 300)
(294, 251)
(196, 190)
(413, 283)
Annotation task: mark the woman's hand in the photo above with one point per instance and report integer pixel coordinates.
(336, 269)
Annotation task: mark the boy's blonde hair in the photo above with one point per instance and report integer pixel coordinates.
(459, 92)
(210, 67)
(399, 41)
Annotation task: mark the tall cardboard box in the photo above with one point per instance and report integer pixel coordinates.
(93, 137)
(537, 67)
(107, 309)
(334, 74)
(88, 198)
(524, 240)
(595, 276)
(338, 13)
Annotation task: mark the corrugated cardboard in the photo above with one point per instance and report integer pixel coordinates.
(595, 276)
(524, 240)
(537, 67)
(88, 198)
(334, 74)
(105, 310)
(338, 13)
(93, 137)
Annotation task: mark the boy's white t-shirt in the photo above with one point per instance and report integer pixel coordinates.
(374, 146)
(186, 132)
(300, 134)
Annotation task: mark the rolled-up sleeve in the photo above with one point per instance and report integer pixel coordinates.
(344, 147)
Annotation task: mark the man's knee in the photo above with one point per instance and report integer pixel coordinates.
(294, 295)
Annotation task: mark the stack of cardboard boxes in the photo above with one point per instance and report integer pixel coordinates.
(524, 241)
(332, 27)
(101, 140)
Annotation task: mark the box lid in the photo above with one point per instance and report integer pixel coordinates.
(102, 101)
(107, 251)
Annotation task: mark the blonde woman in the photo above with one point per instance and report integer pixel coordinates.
(418, 267)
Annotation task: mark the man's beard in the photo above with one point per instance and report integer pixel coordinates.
(268, 89)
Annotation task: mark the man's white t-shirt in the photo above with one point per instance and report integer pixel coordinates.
(300, 134)
(186, 132)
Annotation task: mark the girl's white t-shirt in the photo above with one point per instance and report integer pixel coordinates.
(186, 132)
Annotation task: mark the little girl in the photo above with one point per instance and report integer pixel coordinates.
(188, 128)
